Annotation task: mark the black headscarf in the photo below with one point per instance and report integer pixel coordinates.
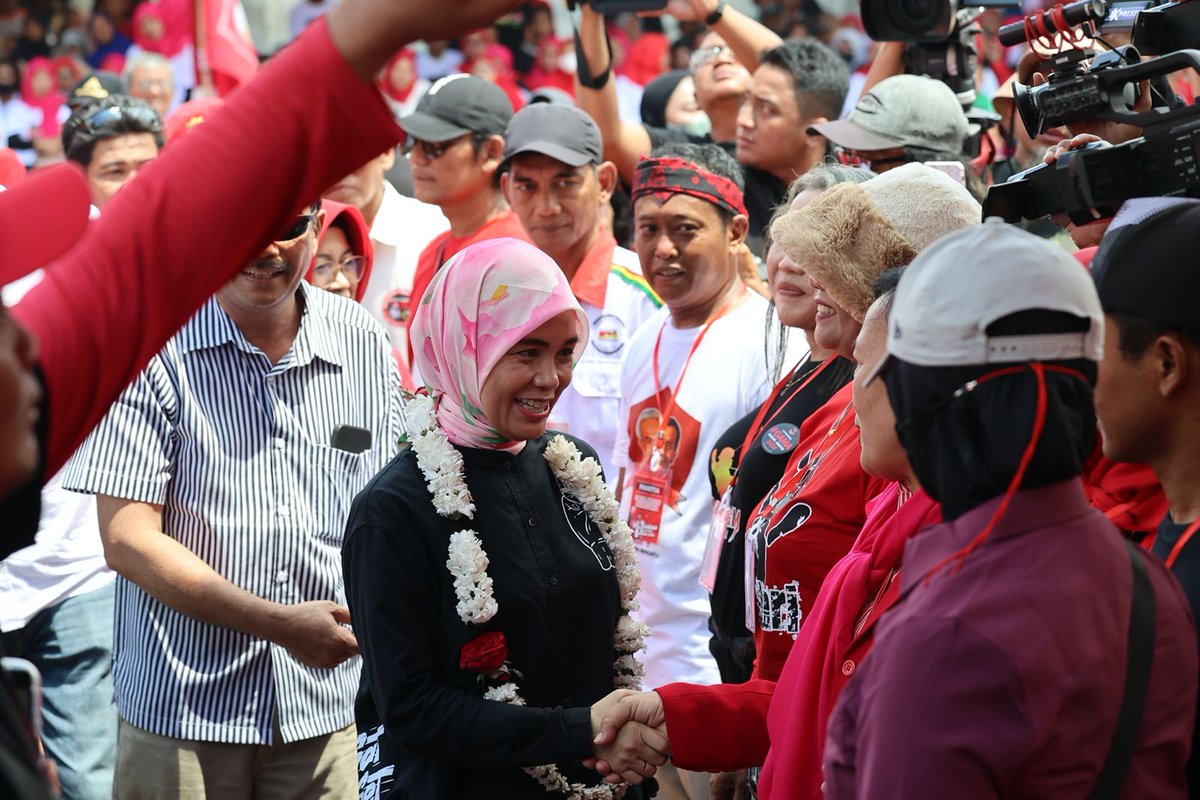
(965, 445)
(657, 94)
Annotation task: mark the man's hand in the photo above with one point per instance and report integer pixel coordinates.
(631, 736)
(1090, 234)
(313, 633)
(729, 786)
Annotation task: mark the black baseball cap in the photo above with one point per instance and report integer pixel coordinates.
(1144, 266)
(458, 105)
(564, 133)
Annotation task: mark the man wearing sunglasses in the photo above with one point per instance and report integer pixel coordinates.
(112, 139)
(229, 453)
(456, 145)
(901, 119)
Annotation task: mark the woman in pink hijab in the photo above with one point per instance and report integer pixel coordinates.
(487, 601)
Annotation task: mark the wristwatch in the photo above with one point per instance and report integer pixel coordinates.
(715, 16)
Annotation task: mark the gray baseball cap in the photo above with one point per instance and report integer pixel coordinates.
(967, 280)
(564, 133)
(457, 105)
(901, 111)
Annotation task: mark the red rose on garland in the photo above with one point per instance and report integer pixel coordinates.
(486, 653)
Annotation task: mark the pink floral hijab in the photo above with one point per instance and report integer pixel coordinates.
(487, 298)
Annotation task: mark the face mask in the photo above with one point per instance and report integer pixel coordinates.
(567, 63)
(700, 125)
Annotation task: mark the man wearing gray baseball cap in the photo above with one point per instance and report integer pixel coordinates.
(901, 119)
(1042, 654)
(455, 145)
(556, 180)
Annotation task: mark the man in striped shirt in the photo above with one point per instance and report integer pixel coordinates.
(223, 477)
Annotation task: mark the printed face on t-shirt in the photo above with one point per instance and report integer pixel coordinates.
(684, 245)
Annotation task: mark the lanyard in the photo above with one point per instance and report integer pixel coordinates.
(758, 426)
(1183, 539)
(664, 412)
(790, 486)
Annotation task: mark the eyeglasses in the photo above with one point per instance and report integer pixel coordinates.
(431, 151)
(706, 55)
(297, 228)
(352, 267)
(146, 84)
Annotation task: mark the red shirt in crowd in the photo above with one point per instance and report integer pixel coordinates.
(805, 524)
(443, 248)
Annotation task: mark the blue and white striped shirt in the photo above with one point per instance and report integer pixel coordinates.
(237, 452)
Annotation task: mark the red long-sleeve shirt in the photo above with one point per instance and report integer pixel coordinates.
(204, 209)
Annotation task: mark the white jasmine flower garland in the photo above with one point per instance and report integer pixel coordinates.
(442, 466)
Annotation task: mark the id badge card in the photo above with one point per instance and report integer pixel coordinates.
(749, 577)
(718, 532)
(651, 488)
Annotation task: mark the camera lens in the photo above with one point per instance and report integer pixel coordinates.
(921, 18)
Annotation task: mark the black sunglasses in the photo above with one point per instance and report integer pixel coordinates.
(297, 228)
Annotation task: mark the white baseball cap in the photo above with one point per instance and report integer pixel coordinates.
(954, 290)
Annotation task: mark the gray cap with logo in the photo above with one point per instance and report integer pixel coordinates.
(457, 105)
(902, 111)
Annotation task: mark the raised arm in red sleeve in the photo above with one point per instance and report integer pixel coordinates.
(717, 728)
(195, 216)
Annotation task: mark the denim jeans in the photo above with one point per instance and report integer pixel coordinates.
(71, 645)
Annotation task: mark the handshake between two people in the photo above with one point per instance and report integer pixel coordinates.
(630, 730)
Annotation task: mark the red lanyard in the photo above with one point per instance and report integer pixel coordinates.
(758, 426)
(664, 412)
(1183, 539)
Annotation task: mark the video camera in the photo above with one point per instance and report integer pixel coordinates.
(1092, 183)
(1078, 89)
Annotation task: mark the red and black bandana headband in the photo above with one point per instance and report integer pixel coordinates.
(663, 177)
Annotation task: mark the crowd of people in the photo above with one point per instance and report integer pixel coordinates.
(625, 415)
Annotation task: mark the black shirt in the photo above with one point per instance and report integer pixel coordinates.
(763, 190)
(559, 603)
(757, 472)
(1187, 570)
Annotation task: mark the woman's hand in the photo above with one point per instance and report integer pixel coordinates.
(630, 736)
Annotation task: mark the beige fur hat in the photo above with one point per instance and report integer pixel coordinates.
(850, 234)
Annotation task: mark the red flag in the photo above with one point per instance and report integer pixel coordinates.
(231, 56)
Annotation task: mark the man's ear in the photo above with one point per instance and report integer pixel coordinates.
(318, 221)
(738, 228)
(493, 153)
(1172, 364)
(387, 159)
(815, 139)
(606, 173)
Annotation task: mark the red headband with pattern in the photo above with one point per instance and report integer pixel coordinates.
(663, 177)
